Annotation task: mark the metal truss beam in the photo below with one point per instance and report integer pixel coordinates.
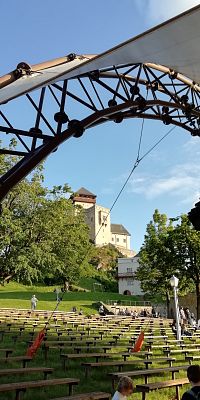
(113, 94)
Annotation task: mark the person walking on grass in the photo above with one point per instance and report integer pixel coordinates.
(193, 374)
(33, 302)
(124, 388)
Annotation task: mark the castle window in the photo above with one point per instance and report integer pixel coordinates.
(99, 217)
(117, 239)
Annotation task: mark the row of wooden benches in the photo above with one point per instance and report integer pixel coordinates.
(21, 387)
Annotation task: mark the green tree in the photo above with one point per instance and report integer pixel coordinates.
(186, 241)
(41, 233)
(69, 237)
(105, 258)
(158, 259)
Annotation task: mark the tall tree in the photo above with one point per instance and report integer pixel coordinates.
(158, 260)
(41, 232)
(186, 242)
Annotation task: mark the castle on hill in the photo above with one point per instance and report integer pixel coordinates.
(97, 217)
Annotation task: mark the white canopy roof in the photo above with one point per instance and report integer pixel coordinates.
(174, 44)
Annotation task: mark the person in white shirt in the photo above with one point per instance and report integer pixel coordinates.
(124, 388)
(182, 315)
(33, 302)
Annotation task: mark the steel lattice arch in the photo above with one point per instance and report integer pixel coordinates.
(66, 107)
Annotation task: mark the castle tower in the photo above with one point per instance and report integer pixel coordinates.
(96, 216)
(84, 198)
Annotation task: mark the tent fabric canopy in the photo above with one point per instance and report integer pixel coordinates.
(174, 44)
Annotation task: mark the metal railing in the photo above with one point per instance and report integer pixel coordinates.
(128, 303)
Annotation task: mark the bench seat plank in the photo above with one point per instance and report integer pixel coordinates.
(11, 371)
(86, 396)
(146, 373)
(7, 387)
(160, 385)
(152, 371)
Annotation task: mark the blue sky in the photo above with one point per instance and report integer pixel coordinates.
(169, 179)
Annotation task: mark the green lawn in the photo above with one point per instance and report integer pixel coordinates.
(18, 296)
(98, 381)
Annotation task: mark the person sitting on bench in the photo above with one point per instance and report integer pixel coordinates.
(193, 374)
(124, 388)
(184, 331)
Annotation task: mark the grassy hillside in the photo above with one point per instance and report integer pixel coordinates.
(18, 296)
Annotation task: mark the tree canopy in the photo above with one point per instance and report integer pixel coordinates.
(171, 247)
(44, 237)
(42, 234)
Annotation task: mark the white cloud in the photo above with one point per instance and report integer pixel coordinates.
(179, 180)
(192, 147)
(160, 10)
(182, 180)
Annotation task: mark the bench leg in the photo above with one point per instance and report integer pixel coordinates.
(46, 375)
(46, 350)
(18, 393)
(173, 375)
(87, 372)
(64, 363)
(7, 353)
(177, 393)
(143, 395)
(70, 389)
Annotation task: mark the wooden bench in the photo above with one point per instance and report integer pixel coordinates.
(192, 358)
(88, 366)
(177, 383)
(7, 351)
(97, 356)
(21, 387)
(23, 359)
(78, 349)
(184, 351)
(87, 396)
(75, 356)
(146, 373)
(20, 371)
(69, 342)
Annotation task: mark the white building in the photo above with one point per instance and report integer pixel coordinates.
(127, 283)
(97, 217)
(98, 220)
(121, 239)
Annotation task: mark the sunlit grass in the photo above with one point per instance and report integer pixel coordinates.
(18, 296)
(15, 295)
